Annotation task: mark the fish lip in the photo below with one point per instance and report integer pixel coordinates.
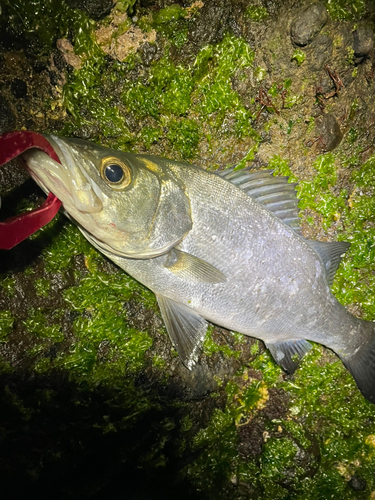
(72, 184)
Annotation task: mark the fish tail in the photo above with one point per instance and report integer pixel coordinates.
(362, 366)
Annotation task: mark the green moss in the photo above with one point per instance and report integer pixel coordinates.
(36, 324)
(159, 362)
(256, 13)
(65, 242)
(125, 5)
(172, 22)
(255, 348)
(350, 55)
(248, 158)
(203, 89)
(217, 446)
(354, 281)
(24, 17)
(260, 73)
(184, 137)
(346, 9)
(8, 284)
(42, 287)
(210, 347)
(352, 135)
(171, 13)
(299, 56)
(150, 135)
(277, 457)
(245, 398)
(6, 324)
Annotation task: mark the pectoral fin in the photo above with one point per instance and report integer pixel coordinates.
(186, 329)
(191, 268)
(288, 354)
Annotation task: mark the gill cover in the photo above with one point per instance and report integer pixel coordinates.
(141, 209)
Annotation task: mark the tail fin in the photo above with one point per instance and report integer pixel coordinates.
(362, 366)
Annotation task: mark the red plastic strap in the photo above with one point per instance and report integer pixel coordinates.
(18, 228)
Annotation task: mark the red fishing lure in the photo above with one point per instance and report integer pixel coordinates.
(18, 228)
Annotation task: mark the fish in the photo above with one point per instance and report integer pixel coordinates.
(214, 247)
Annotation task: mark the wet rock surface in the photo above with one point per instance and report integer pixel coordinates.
(363, 41)
(307, 24)
(328, 130)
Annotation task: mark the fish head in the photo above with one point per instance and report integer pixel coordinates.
(126, 204)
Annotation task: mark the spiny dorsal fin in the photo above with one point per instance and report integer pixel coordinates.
(191, 268)
(275, 193)
(288, 354)
(186, 329)
(330, 253)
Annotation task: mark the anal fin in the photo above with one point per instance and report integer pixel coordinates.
(288, 354)
(186, 329)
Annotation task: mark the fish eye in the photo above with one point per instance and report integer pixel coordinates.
(115, 172)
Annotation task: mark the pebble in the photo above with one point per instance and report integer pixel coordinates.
(363, 41)
(307, 24)
(328, 129)
(357, 483)
(18, 88)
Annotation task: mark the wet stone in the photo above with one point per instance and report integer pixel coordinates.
(7, 118)
(18, 88)
(307, 24)
(322, 48)
(328, 129)
(363, 41)
(357, 483)
(211, 24)
(96, 9)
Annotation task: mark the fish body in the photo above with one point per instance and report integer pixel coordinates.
(224, 249)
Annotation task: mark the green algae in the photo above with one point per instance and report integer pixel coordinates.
(184, 137)
(172, 22)
(299, 56)
(346, 9)
(210, 347)
(24, 17)
(6, 324)
(65, 242)
(257, 13)
(36, 324)
(42, 287)
(7, 283)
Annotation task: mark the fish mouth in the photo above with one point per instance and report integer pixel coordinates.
(18, 228)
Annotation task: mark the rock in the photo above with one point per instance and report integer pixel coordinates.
(18, 88)
(7, 118)
(328, 129)
(96, 9)
(322, 48)
(363, 41)
(307, 24)
(357, 483)
(212, 23)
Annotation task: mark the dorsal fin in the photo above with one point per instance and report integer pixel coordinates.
(275, 193)
(330, 253)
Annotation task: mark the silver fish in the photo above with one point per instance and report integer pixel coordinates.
(221, 248)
